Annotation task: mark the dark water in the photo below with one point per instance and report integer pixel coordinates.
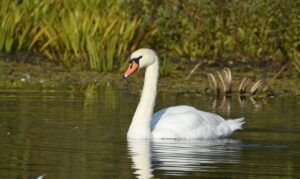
(67, 133)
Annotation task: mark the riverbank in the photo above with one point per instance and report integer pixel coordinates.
(47, 75)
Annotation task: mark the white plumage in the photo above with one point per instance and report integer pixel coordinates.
(186, 122)
(177, 122)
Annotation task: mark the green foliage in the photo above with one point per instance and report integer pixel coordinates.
(95, 34)
(245, 31)
(166, 67)
(296, 59)
(99, 35)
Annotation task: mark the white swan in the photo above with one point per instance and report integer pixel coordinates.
(177, 122)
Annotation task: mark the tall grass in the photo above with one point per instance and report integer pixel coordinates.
(100, 34)
(95, 34)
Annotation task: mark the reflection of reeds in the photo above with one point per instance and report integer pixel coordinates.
(222, 84)
(223, 103)
(105, 94)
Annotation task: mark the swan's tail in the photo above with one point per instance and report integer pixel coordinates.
(235, 124)
(226, 128)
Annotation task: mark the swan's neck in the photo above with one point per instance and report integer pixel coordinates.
(140, 125)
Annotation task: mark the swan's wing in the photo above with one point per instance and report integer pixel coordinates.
(174, 110)
(185, 117)
(182, 121)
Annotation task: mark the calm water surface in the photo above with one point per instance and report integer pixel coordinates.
(67, 133)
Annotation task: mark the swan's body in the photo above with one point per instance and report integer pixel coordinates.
(177, 122)
(186, 122)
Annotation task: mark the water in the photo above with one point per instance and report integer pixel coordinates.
(81, 133)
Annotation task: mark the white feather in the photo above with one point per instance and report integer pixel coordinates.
(177, 122)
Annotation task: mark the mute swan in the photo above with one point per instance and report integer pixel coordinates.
(176, 122)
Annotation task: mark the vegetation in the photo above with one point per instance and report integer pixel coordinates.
(99, 35)
(254, 32)
(220, 85)
(95, 34)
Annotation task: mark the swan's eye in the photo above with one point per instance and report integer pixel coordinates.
(136, 60)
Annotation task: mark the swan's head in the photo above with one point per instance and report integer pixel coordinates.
(139, 59)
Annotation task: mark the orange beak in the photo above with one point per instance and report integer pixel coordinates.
(131, 69)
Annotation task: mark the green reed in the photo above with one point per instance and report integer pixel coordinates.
(95, 34)
(99, 35)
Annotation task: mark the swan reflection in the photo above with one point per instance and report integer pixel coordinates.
(175, 157)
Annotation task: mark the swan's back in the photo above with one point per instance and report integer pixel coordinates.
(186, 122)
